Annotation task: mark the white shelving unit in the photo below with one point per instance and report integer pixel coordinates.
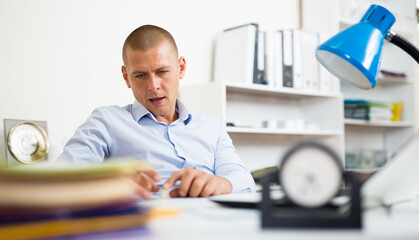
(385, 136)
(244, 108)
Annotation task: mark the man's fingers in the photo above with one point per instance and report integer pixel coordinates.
(153, 175)
(172, 179)
(188, 176)
(197, 185)
(146, 182)
(143, 193)
(174, 193)
(154, 188)
(209, 188)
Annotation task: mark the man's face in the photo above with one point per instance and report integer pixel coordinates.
(154, 77)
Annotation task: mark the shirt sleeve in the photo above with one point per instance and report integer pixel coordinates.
(91, 141)
(229, 165)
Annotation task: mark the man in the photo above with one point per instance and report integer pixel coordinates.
(158, 128)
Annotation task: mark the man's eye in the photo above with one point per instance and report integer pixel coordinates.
(139, 76)
(162, 72)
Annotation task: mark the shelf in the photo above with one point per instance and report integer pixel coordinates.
(271, 91)
(392, 80)
(377, 124)
(362, 170)
(256, 130)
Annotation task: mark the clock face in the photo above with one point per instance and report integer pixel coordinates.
(27, 142)
(311, 175)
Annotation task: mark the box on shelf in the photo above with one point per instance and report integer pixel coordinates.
(365, 158)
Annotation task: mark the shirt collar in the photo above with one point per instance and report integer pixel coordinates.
(138, 111)
(184, 115)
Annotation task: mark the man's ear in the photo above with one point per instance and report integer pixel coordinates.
(182, 67)
(125, 76)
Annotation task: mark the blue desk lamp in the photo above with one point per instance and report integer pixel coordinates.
(354, 55)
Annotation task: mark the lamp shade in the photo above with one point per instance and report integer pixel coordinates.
(354, 55)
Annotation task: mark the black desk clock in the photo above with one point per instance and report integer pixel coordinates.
(311, 176)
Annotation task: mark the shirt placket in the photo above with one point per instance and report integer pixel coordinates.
(173, 138)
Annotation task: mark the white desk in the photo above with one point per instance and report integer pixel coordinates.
(201, 218)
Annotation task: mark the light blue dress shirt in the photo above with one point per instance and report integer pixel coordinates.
(192, 140)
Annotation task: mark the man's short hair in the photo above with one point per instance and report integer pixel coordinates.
(147, 37)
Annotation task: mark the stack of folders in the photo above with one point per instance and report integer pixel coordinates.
(54, 200)
(279, 59)
(373, 110)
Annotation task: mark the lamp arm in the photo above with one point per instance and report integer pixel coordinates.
(404, 44)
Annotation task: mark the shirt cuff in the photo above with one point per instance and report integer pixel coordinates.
(240, 181)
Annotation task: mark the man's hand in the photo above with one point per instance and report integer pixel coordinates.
(147, 183)
(196, 183)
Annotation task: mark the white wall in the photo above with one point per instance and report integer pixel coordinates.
(59, 59)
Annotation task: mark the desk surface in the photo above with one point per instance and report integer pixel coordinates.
(200, 218)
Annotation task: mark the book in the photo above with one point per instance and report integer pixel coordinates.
(270, 77)
(297, 54)
(45, 170)
(309, 63)
(130, 233)
(74, 193)
(287, 59)
(72, 226)
(362, 102)
(397, 110)
(12, 215)
(273, 58)
(278, 56)
(259, 76)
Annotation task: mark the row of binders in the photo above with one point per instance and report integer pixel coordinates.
(280, 59)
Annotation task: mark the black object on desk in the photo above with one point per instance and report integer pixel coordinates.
(250, 200)
(347, 216)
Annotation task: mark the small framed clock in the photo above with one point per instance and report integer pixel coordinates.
(26, 141)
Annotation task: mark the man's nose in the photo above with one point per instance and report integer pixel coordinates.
(154, 82)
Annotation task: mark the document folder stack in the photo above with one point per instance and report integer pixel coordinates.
(50, 200)
(373, 110)
(276, 58)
